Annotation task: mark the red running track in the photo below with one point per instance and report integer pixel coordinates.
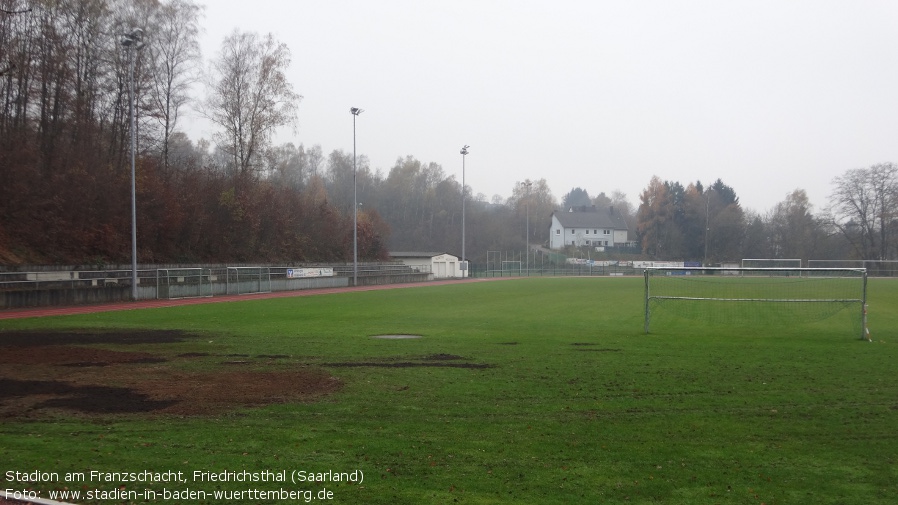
(151, 304)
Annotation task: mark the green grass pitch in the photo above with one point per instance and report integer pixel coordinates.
(570, 401)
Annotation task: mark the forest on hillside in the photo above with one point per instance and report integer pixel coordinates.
(65, 166)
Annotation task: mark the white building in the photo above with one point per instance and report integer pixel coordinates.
(588, 226)
(443, 265)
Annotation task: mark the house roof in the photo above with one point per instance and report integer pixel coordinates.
(590, 217)
(415, 254)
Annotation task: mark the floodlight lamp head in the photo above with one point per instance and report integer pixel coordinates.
(356, 111)
(133, 39)
(464, 150)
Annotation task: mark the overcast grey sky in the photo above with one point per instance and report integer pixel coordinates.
(769, 96)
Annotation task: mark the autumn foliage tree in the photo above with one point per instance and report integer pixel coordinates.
(690, 223)
(64, 144)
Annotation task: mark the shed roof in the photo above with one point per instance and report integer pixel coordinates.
(416, 254)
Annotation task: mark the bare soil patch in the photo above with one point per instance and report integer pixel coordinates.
(443, 357)
(86, 337)
(590, 349)
(60, 373)
(433, 360)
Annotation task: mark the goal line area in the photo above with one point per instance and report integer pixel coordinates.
(248, 280)
(175, 283)
(756, 296)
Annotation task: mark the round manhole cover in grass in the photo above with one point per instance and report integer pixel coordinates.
(396, 337)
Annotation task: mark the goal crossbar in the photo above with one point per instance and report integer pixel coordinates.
(759, 269)
(248, 280)
(187, 282)
(714, 294)
(769, 300)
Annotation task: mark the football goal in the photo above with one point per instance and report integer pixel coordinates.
(173, 283)
(778, 297)
(771, 263)
(247, 280)
(511, 268)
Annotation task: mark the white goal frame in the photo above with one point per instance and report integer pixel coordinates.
(176, 283)
(861, 275)
(248, 280)
(875, 268)
(512, 262)
(773, 263)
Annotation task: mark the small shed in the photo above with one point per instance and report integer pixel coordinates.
(442, 265)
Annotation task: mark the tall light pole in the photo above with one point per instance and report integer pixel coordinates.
(527, 185)
(707, 226)
(464, 152)
(355, 205)
(132, 42)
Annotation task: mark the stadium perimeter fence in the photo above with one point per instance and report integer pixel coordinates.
(515, 265)
(74, 286)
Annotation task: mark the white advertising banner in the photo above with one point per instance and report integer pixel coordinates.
(302, 273)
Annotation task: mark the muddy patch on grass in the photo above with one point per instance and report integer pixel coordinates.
(87, 337)
(50, 373)
(406, 364)
(433, 360)
(443, 357)
(590, 347)
(69, 355)
(29, 396)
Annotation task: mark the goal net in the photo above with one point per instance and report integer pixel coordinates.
(773, 297)
(875, 268)
(511, 267)
(172, 283)
(247, 280)
(771, 263)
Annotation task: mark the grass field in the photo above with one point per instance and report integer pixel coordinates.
(542, 391)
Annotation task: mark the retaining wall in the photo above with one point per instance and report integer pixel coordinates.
(85, 294)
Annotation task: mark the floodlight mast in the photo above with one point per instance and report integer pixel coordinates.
(528, 184)
(464, 152)
(133, 42)
(355, 111)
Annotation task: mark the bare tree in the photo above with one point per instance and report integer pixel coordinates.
(175, 55)
(794, 231)
(533, 198)
(250, 97)
(864, 207)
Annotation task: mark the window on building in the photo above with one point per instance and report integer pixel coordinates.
(607, 232)
(558, 231)
(587, 232)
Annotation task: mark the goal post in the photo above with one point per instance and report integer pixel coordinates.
(248, 280)
(771, 263)
(512, 267)
(875, 268)
(756, 296)
(174, 283)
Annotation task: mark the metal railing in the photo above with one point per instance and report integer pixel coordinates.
(72, 279)
(72, 287)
